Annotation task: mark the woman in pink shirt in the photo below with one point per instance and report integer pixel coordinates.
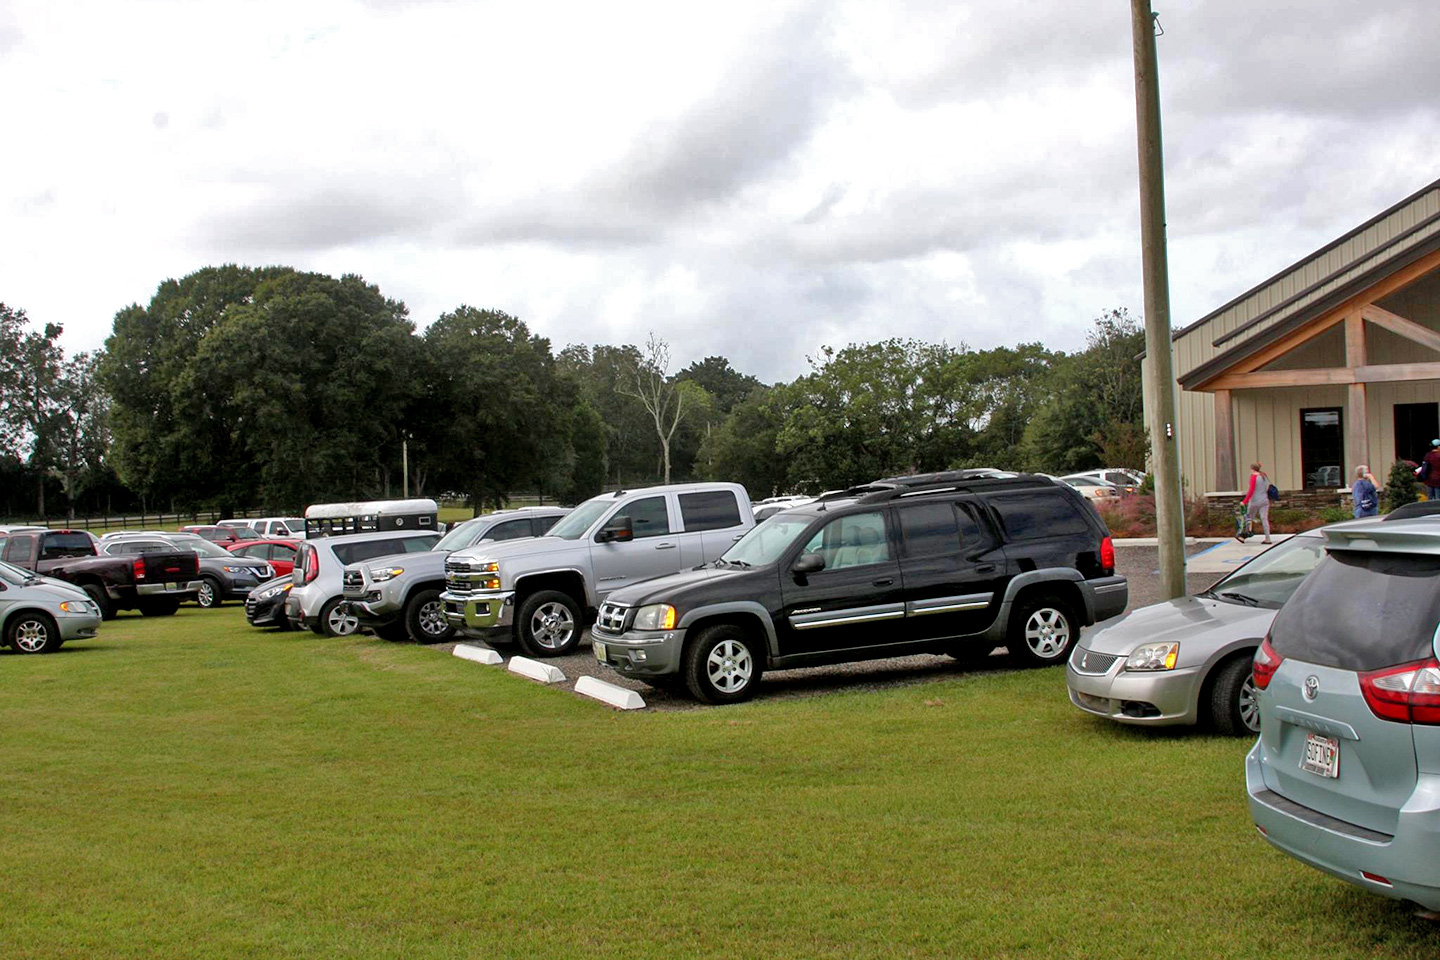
(1257, 499)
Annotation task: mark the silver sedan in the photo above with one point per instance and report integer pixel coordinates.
(1187, 661)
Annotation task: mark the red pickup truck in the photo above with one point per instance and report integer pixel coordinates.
(153, 583)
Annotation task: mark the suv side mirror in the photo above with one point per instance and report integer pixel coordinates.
(808, 563)
(618, 529)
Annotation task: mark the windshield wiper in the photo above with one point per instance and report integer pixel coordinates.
(738, 563)
(1240, 598)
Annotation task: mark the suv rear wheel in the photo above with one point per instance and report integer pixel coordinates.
(722, 665)
(549, 623)
(1042, 631)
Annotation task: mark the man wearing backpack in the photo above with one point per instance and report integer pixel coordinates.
(1429, 471)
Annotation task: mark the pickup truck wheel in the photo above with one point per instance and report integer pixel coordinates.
(425, 618)
(336, 620)
(1234, 705)
(550, 624)
(211, 593)
(159, 607)
(1042, 632)
(722, 665)
(33, 633)
(102, 600)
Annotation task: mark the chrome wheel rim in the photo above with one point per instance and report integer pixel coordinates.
(432, 619)
(552, 626)
(341, 621)
(1249, 704)
(1047, 633)
(31, 636)
(206, 595)
(729, 666)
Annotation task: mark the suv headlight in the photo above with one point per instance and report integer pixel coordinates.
(77, 606)
(387, 573)
(1154, 656)
(229, 569)
(657, 616)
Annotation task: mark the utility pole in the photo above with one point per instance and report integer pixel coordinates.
(1160, 379)
(405, 467)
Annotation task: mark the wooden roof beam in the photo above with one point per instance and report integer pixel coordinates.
(1405, 327)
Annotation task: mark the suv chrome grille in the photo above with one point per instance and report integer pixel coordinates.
(612, 617)
(1089, 662)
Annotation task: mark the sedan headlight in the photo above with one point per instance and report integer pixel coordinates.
(1154, 656)
(273, 591)
(657, 616)
(385, 573)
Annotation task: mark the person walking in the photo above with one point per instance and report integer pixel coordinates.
(1257, 499)
(1367, 500)
(1430, 471)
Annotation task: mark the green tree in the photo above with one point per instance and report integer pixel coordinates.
(721, 381)
(742, 447)
(587, 437)
(32, 401)
(648, 381)
(79, 430)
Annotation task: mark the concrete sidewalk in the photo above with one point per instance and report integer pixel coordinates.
(1221, 556)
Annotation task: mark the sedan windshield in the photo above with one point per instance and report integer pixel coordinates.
(1270, 579)
(579, 520)
(765, 543)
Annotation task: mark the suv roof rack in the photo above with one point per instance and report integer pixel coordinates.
(946, 481)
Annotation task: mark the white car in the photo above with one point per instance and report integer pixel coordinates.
(1091, 488)
(293, 527)
(1126, 481)
(316, 600)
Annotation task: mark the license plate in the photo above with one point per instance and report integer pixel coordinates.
(172, 587)
(1322, 756)
(599, 650)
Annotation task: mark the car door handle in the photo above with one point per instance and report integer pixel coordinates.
(884, 581)
(664, 546)
(985, 568)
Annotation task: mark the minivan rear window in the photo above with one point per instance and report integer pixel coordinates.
(1040, 513)
(1362, 611)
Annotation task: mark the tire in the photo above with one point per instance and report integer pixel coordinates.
(723, 664)
(32, 632)
(1043, 631)
(1234, 707)
(335, 620)
(211, 593)
(425, 618)
(102, 600)
(549, 624)
(159, 607)
(392, 632)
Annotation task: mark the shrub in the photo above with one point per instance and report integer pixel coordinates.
(1401, 486)
(1336, 514)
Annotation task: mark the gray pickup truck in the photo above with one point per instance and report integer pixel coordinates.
(544, 592)
(399, 595)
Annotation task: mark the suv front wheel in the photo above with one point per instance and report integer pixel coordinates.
(723, 665)
(1042, 631)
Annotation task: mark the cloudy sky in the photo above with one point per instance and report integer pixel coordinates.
(753, 180)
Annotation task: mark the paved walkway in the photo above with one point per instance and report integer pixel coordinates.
(1228, 554)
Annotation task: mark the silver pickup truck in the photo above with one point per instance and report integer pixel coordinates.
(544, 592)
(399, 595)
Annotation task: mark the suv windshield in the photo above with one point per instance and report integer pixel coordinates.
(201, 546)
(1270, 579)
(765, 543)
(462, 536)
(575, 524)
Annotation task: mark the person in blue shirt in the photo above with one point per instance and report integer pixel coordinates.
(1362, 491)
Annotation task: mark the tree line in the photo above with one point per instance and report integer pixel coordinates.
(272, 387)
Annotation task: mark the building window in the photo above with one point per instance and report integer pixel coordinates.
(1416, 424)
(1322, 446)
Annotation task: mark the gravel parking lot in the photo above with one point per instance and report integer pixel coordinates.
(1138, 564)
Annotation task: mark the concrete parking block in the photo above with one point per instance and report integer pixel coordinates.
(536, 670)
(485, 655)
(609, 693)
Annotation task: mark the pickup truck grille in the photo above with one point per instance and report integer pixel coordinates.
(456, 566)
(612, 617)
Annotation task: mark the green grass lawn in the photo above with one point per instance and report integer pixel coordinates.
(192, 787)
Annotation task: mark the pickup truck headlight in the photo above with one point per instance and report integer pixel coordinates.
(1154, 656)
(489, 566)
(385, 573)
(657, 616)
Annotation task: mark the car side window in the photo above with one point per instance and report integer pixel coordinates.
(18, 550)
(415, 545)
(278, 551)
(541, 525)
(851, 541)
(929, 529)
(509, 530)
(648, 517)
(709, 510)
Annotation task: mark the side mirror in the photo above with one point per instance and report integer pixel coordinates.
(808, 563)
(618, 529)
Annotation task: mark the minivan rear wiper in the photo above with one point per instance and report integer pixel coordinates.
(1240, 598)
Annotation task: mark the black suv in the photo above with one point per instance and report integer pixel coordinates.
(933, 563)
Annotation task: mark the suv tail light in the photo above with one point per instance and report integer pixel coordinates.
(139, 568)
(1407, 693)
(1107, 556)
(1267, 661)
(312, 563)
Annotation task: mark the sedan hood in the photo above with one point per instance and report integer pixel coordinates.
(1185, 620)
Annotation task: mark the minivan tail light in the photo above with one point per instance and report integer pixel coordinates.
(139, 568)
(1406, 693)
(1267, 661)
(1107, 556)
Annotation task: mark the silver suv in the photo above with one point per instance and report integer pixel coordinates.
(544, 592)
(315, 600)
(1346, 774)
(398, 596)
